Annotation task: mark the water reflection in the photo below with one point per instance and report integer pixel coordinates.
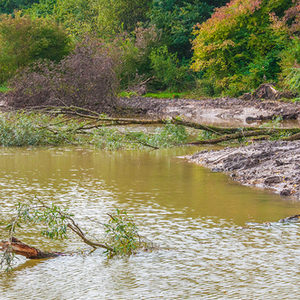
(198, 215)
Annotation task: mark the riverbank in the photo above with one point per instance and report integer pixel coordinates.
(270, 165)
(220, 111)
(224, 111)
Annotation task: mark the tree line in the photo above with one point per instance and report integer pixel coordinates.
(211, 47)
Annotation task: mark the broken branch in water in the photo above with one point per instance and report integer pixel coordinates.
(16, 246)
(122, 236)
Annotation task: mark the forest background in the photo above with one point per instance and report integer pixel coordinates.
(208, 48)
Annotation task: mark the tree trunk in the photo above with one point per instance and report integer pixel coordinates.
(17, 247)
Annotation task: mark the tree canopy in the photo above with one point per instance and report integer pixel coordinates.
(8, 6)
(231, 46)
(240, 45)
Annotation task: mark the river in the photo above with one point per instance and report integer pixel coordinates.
(198, 218)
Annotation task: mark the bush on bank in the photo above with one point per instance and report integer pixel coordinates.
(84, 78)
(24, 40)
(244, 44)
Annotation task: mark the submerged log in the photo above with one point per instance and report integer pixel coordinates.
(20, 248)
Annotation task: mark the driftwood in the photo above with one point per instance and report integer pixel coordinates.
(17, 247)
(268, 91)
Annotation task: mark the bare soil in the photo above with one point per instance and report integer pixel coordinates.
(220, 111)
(272, 165)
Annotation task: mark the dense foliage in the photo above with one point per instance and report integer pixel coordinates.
(40, 129)
(8, 6)
(245, 43)
(176, 19)
(24, 40)
(103, 17)
(209, 46)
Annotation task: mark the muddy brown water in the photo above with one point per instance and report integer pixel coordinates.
(198, 215)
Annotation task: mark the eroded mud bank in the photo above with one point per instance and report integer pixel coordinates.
(271, 165)
(220, 111)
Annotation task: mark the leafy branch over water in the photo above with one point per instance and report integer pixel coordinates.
(122, 237)
(40, 129)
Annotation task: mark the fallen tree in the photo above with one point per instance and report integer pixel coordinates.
(124, 238)
(100, 120)
(80, 126)
(14, 245)
(121, 233)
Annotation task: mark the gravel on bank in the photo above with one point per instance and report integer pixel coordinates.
(272, 165)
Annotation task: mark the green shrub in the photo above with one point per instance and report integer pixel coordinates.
(292, 80)
(167, 70)
(4, 88)
(290, 64)
(132, 51)
(206, 87)
(21, 129)
(238, 48)
(24, 40)
(122, 234)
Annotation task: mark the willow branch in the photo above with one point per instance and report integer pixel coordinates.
(77, 230)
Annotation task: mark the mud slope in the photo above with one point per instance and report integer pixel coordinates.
(271, 165)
